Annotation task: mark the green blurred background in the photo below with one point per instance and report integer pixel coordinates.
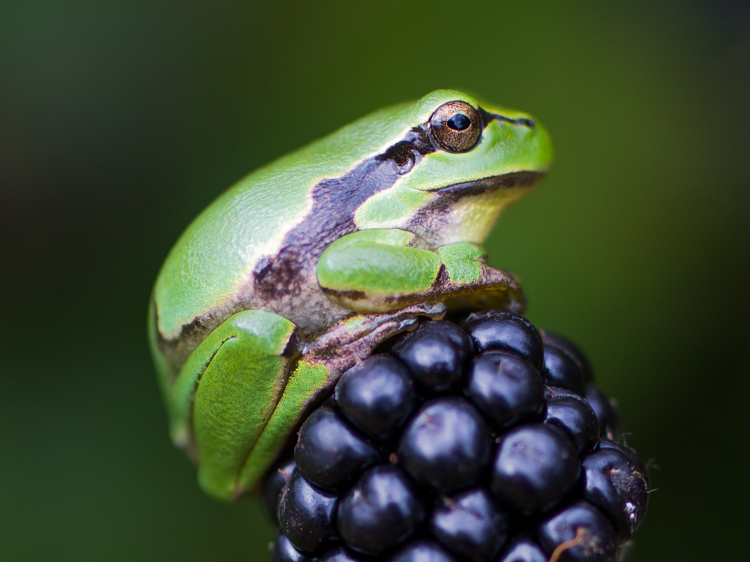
(120, 121)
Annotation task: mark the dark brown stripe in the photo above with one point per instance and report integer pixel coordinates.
(488, 117)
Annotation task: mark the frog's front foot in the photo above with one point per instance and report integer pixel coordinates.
(352, 339)
(383, 270)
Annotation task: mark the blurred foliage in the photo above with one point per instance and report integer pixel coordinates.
(120, 121)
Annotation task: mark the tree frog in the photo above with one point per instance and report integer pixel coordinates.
(306, 265)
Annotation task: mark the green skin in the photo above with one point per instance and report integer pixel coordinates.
(305, 266)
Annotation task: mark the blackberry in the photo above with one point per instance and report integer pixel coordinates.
(501, 330)
(605, 410)
(534, 467)
(329, 452)
(283, 550)
(471, 525)
(557, 341)
(575, 417)
(435, 354)
(561, 369)
(379, 511)
(446, 445)
(618, 486)
(306, 514)
(505, 388)
(422, 551)
(377, 397)
(585, 528)
(339, 554)
(481, 442)
(273, 485)
(523, 549)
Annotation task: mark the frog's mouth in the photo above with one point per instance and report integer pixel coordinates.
(521, 180)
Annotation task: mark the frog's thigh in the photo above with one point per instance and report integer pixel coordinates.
(377, 262)
(233, 381)
(306, 384)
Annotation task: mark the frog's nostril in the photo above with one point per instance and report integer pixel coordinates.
(524, 121)
(527, 122)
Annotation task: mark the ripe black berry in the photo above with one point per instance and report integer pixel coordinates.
(616, 486)
(274, 483)
(554, 391)
(341, 554)
(558, 341)
(506, 331)
(560, 369)
(585, 525)
(436, 354)
(480, 444)
(329, 452)
(380, 511)
(422, 551)
(306, 514)
(283, 551)
(534, 467)
(628, 452)
(575, 417)
(446, 445)
(523, 549)
(377, 396)
(471, 525)
(505, 388)
(605, 410)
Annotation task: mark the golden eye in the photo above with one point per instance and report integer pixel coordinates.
(455, 126)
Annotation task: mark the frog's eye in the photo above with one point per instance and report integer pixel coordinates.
(456, 126)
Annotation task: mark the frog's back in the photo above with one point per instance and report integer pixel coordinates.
(200, 282)
(210, 260)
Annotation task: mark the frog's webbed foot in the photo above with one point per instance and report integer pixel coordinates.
(487, 288)
(384, 270)
(352, 339)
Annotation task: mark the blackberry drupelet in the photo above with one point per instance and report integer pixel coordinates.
(481, 442)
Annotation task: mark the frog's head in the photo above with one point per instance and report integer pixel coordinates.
(463, 162)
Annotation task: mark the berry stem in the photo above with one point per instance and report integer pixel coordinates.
(562, 547)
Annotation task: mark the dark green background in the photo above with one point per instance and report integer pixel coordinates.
(120, 121)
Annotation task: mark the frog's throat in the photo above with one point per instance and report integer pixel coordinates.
(466, 212)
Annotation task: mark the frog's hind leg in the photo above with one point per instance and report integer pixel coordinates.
(325, 358)
(227, 391)
(248, 385)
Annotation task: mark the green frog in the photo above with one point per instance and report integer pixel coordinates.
(306, 265)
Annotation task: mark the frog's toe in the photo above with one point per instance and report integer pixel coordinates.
(433, 310)
(408, 324)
